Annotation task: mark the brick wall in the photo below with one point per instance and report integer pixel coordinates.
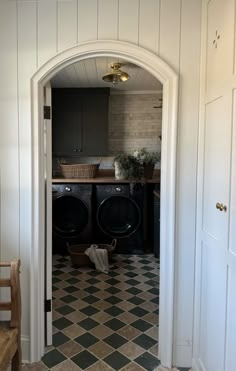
(134, 123)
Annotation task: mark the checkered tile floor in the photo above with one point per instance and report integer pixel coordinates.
(104, 322)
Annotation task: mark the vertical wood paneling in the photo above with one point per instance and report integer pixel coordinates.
(87, 20)
(186, 175)
(108, 25)
(149, 15)
(91, 69)
(27, 63)
(82, 74)
(47, 30)
(67, 24)
(170, 32)
(232, 239)
(70, 75)
(9, 243)
(128, 20)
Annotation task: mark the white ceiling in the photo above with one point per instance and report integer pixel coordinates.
(88, 74)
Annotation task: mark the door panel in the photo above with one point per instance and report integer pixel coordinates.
(216, 170)
(213, 306)
(95, 124)
(80, 121)
(220, 31)
(216, 259)
(215, 319)
(230, 361)
(232, 240)
(67, 129)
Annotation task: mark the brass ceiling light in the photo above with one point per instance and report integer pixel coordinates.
(116, 75)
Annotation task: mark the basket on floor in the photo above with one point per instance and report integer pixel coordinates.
(79, 170)
(80, 259)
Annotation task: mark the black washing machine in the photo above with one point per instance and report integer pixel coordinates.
(71, 215)
(120, 215)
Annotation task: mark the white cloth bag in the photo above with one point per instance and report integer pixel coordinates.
(99, 257)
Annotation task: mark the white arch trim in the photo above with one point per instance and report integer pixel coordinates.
(159, 69)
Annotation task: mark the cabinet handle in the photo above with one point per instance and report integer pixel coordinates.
(221, 207)
(77, 150)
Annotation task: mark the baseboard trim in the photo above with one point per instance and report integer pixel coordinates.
(196, 366)
(25, 346)
(182, 356)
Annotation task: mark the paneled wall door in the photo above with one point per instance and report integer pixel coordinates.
(215, 324)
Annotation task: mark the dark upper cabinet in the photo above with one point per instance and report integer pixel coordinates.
(80, 121)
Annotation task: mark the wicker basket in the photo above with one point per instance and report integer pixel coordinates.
(80, 259)
(79, 170)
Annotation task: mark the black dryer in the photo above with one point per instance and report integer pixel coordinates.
(71, 215)
(119, 214)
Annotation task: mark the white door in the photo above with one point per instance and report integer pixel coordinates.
(215, 309)
(215, 257)
(216, 324)
(48, 214)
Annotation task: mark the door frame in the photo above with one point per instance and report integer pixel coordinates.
(165, 74)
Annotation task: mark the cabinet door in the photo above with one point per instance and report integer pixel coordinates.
(95, 124)
(67, 123)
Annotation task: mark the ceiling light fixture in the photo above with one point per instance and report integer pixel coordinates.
(116, 75)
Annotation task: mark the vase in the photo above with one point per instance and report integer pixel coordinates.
(148, 171)
(119, 173)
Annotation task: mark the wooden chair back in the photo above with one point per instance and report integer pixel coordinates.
(10, 331)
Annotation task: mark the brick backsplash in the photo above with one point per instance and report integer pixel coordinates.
(134, 123)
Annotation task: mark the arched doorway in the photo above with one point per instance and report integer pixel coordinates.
(160, 70)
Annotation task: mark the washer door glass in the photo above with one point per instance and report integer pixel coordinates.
(119, 216)
(70, 216)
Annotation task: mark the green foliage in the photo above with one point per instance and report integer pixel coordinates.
(146, 158)
(132, 166)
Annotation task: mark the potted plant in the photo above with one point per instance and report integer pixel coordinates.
(147, 161)
(139, 165)
(127, 167)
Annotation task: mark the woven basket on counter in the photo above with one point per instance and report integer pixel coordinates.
(79, 170)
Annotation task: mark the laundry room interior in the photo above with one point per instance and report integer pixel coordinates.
(106, 132)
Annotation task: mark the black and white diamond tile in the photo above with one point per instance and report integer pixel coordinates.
(105, 322)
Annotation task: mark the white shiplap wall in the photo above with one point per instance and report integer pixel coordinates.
(32, 32)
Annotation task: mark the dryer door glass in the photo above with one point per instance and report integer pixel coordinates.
(119, 216)
(70, 216)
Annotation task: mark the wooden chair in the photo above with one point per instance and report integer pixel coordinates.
(10, 331)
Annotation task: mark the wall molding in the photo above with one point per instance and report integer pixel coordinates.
(160, 70)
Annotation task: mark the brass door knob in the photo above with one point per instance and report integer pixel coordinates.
(221, 207)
